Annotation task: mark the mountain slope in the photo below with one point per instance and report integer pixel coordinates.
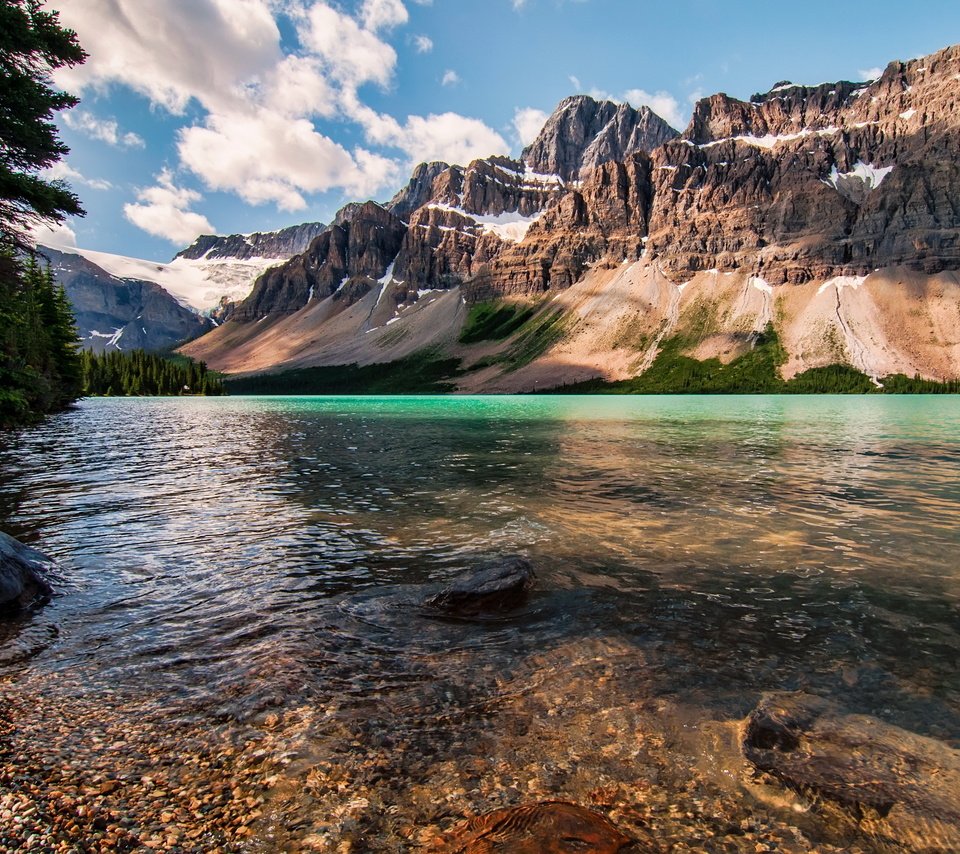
(830, 212)
(122, 313)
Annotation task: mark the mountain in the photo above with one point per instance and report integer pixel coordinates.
(280, 244)
(109, 292)
(828, 212)
(125, 314)
(583, 133)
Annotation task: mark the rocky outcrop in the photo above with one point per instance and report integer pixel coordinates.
(280, 244)
(122, 314)
(22, 575)
(501, 586)
(902, 788)
(582, 134)
(362, 248)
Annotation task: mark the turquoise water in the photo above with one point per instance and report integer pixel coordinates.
(708, 548)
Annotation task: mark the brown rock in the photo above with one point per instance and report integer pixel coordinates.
(550, 827)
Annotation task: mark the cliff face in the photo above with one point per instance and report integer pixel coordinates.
(842, 189)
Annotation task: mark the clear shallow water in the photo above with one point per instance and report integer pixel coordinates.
(222, 558)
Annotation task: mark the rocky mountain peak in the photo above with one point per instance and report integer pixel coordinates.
(267, 244)
(418, 191)
(584, 133)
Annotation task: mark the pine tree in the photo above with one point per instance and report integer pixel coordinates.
(32, 45)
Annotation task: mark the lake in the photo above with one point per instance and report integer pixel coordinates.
(241, 579)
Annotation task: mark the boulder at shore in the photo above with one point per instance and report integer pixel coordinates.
(898, 787)
(500, 586)
(22, 571)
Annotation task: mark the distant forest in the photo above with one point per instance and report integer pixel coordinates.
(138, 373)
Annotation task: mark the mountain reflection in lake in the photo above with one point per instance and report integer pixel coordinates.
(241, 580)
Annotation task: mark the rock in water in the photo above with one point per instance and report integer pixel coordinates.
(499, 587)
(22, 569)
(895, 785)
(551, 827)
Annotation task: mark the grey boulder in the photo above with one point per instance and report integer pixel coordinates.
(22, 575)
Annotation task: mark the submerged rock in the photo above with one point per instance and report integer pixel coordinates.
(22, 571)
(893, 784)
(501, 586)
(551, 827)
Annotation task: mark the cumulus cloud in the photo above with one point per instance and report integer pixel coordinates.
(62, 171)
(450, 78)
(870, 73)
(449, 136)
(163, 211)
(351, 54)
(528, 122)
(266, 157)
(260, 102)
(105, 130)
(173, 51)
(423, 44)
(383, 14)
(57, 235)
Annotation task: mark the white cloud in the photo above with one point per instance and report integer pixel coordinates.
(297, 87)
(383, 14)
(163, 212)
(423, 44)
(575, 82)
(450, 78)
(105, 130)
(62, 171)
(351, 55)
(172, 51)
(528, 122)
(449, 137)
(57, 235)
(265, 157)
(870, 73)
(518, 4)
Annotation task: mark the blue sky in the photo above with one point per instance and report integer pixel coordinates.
(247, 115)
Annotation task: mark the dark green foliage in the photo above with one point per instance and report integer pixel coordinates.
(902, 384)
(39, 362)
(831, 379)
(32, 45)
(137, 373)
(421, 373)
(494, 321)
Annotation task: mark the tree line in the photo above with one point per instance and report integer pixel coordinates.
(138, 373)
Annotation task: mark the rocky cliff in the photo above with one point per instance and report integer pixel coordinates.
(280, 244)
(807, 207)
(583, 133)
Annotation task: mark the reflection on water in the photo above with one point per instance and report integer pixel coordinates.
(222, 558)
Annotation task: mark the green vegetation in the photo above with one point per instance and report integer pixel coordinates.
(494, 321)
(755, 372)
(425, 372)
(133, 374)
(39, 364)
(32, 45)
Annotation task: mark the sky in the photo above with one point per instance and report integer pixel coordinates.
(227, 116)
